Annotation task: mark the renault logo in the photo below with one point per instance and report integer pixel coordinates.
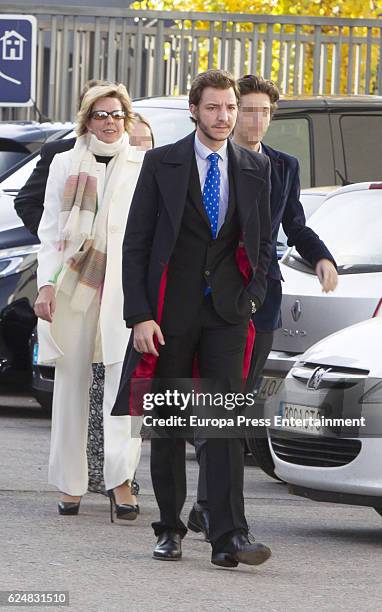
(296, 310)
(315, 380)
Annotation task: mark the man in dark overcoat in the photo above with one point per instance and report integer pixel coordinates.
(258, 101)
(195, 257)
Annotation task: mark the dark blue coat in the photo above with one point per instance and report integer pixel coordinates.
(286, 209)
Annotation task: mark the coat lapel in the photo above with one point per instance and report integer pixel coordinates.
(277, 176)
(231, 204)
(174, 176)
(247, 181)
(195, 192)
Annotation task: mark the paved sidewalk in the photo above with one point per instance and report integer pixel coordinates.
(325, 557)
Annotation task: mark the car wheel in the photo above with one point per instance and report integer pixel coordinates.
(259, 448)
(379, 510)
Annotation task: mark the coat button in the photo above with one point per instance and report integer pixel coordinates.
(207, 273)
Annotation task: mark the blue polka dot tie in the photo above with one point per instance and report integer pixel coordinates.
(211, 192)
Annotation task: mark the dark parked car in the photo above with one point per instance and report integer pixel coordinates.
(20, 140)
(327, 134)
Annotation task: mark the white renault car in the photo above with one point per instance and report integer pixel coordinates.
(326, 433)
(350, 223)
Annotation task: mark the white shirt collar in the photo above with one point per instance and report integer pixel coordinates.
(260, 148)
(204, 151)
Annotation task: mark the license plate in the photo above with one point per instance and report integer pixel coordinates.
(295, 417)
(269, 387)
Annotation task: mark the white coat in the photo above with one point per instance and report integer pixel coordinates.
(113, 331)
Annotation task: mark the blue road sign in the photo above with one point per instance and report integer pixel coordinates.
(17, 60)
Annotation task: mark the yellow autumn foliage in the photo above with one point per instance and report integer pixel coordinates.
(363, 65)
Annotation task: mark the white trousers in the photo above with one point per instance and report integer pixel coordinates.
(68, 467)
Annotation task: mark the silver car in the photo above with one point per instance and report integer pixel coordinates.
(350, 223)
(329, 446)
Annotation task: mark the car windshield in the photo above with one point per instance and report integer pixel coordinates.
(18, 178)
(11, 153)
(350, 224)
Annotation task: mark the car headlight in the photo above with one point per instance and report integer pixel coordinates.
(373, 395)
(17, 259)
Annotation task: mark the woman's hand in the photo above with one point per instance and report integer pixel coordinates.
(45, 304)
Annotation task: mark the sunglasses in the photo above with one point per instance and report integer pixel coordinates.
(100, 115)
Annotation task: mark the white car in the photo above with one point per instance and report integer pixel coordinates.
(350, 223)
(320, 458)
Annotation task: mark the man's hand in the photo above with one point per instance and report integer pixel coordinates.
(327, 275)
(144, 337)
(45, 304)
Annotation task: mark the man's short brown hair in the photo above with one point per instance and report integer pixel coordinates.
(218, 79)
(250, 83)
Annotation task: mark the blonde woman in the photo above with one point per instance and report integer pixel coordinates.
(142, 137)
(80, 300)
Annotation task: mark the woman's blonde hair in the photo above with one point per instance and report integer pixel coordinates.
(103, 91)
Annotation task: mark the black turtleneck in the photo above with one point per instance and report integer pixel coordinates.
(102, 159)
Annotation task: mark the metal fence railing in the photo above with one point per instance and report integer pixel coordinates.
(159, 52)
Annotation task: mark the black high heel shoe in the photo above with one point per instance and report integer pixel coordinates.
(126, 512)
(68, 508)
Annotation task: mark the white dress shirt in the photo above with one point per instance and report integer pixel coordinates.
(201, 154)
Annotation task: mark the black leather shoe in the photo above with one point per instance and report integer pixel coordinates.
(239, 549)
(169, 546)
(199, 520)
(68, 508)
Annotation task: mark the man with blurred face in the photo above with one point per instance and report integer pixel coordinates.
(254, 117)
(258, 101)
(200, 205)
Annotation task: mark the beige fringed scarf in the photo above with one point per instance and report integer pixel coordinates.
(83, 217)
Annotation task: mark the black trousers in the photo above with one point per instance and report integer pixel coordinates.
(261, 350)
(220, 349)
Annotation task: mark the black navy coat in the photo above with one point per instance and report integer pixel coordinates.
(286, 209)
(152, 229)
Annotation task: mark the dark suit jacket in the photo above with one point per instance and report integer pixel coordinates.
(287, 209)
(29, 202)
(196, 253)
(152, 231)
(156, 214)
